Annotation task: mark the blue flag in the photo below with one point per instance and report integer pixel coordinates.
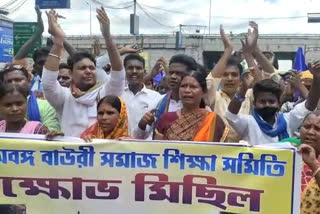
(299, 61)
(157, 79)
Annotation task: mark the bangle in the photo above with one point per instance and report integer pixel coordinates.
(56, 56)
(239, 98)
(316, 172)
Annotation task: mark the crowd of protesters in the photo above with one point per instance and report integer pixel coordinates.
(242, 99)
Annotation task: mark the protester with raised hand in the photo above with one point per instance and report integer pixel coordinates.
(218, 70)
(103, 62)
(265, 61)
(228, 73)
(266, 125)
(39, 56)
(130, 49)
(310, 151)
(23, 51)
(265, 64)
(294, 86)
(160, 67)
(77, 106)
(249, 45)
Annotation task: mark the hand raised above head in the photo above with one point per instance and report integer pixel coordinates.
(315, 69)
(295, 79)
(39, 20)
(132, 49)
(54, 28)
(161, 65)
(254, 25)
(225, 39)
(251, 39)
(253, 34)
(104, 21)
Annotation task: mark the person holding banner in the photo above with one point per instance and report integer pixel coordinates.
(13, 108)
(77, 105)
(310, 150)
(37, 109)
(193, 122)
(112, 120)
(229, 73)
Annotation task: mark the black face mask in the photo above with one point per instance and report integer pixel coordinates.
(267, 112)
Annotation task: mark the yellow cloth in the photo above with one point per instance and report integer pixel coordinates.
(120, 131)
(310, 200)
(219, 102)
(306, 75)
(76, 92)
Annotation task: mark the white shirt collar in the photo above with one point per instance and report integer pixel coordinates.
(143, 90)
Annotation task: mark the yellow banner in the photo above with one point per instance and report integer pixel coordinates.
(143, 177)
(145, 55)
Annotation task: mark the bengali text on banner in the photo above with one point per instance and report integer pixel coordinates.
(144, 177)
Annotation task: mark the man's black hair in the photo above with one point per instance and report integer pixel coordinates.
(44, 51)
(64, 66)
(78, 56)
(233, 61)
(267, 85)
(12, 67)
(188, 61)
(9, 89)
(134, 57)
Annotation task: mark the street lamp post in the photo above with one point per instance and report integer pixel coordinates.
(90, 18)
(210, 17)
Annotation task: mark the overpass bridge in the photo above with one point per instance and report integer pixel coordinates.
(205, 48)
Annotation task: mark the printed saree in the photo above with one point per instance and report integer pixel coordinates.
(310, 200)
(199, 125)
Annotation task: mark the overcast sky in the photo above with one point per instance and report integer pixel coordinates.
(233, 14)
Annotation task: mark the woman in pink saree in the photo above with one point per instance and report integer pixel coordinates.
(13, 108)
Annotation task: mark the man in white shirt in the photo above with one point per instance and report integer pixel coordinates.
(77, 106)
(137, 97)
(266, 125)
(179, 66)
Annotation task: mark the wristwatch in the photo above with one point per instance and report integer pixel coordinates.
(239, 98)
